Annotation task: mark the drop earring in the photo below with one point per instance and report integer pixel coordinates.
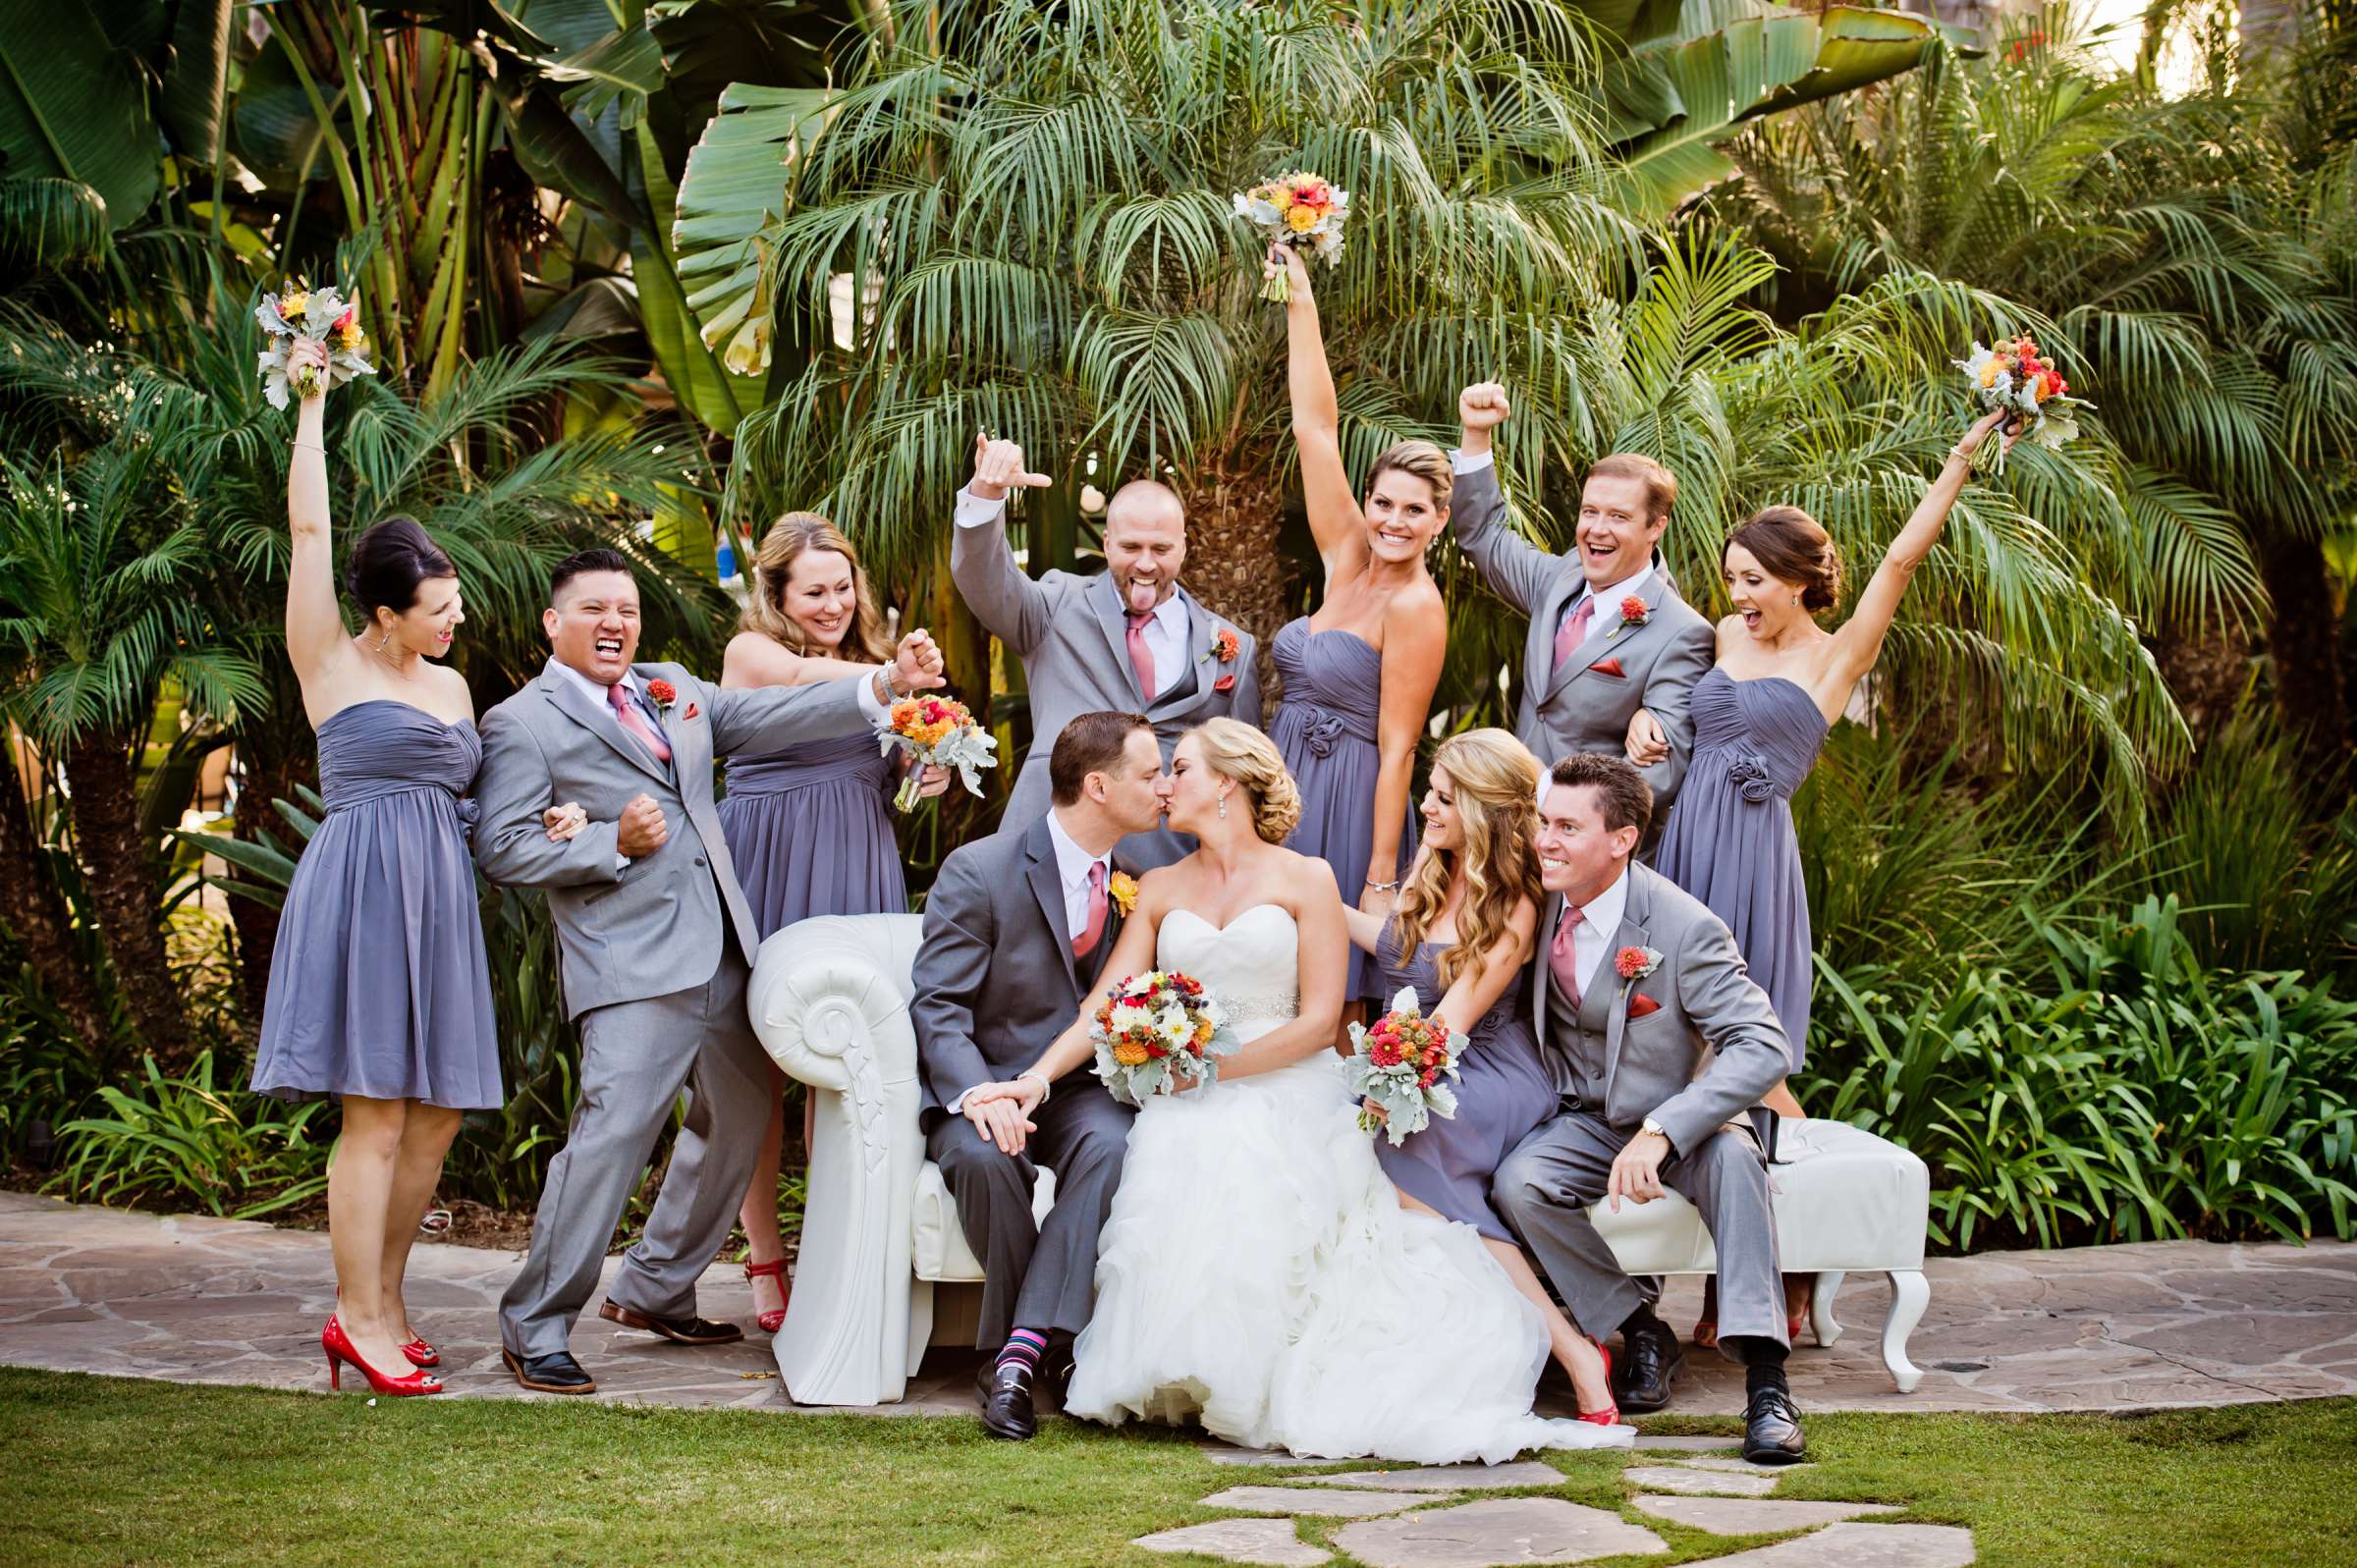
(1223, 808)
(381, 642)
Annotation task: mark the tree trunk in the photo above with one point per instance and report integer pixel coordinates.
(2304, 640)
(1234, 517)
(2208, 671)
(272, 771)
(120, 867)
(35, 915)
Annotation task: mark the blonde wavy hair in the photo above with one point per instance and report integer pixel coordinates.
(1419, 459)
(789, 539)
(1495, 780)
(1236, 751)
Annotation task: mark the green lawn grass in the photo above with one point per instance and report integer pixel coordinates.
(109, 1471)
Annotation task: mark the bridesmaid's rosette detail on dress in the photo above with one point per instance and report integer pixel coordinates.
(938, 733)
(317, 315)
(1752, 779)
(1298, 210)
(2036, 398)
(1159, 1033)
(1398, 1062)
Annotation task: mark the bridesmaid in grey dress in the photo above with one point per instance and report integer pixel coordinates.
(1360, 671)
(1760, 717)
(1462, 934)
(808, 828)
(379, 991)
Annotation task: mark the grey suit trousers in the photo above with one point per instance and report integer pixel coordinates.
(1544, 1189)
(1034, 1276)
(635, 1057)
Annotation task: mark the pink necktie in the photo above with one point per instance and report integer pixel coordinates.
(1086, 942)
(1574, 631)
(1141, 657)
(1562, 954)
(617, 696)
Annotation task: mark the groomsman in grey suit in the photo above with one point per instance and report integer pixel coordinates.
(1127, 638)
(1587, 666)
(1018, 928)
(655, 944)
(1662, 1048)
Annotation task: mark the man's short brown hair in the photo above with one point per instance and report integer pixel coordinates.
(1622, 796)
(1661, 485)
(1092, 742)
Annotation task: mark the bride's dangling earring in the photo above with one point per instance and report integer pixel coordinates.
(1223, 808)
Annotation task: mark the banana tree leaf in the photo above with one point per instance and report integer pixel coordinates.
(468, 19)
(272, 124)
(618, 70)
(736, 182)
(557, 151)
(73, 106)
(602, 307)
(198, 83)
(704, 389)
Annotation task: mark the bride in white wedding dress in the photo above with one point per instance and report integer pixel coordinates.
(1257, 1271)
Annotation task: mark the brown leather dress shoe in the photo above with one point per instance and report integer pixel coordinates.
(679, 1330)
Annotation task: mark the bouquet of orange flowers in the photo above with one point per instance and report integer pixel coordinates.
(1400, 1060)
(322, 316)
(1158, 1033)
(938, 733)
(1295, 209)
(2036, 398)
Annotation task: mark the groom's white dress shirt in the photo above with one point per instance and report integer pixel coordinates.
(1168, 635)
(1600, 923)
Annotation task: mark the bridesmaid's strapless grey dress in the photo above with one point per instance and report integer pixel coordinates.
(810, 830)
(378, 985)
(1326, 732)
(1729, 842)
(1503, 1093)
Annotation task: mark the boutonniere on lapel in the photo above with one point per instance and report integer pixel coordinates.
(1633, 964)
(1123, 891)
(1633, 613)
(665, 696)
(1224, 647)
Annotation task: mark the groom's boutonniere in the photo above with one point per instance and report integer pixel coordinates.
(1635, 964)
(1633, 613)
(663, 694)
(1224, 648)
(1123, 891)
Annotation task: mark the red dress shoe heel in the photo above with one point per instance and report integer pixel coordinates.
(1610, 1415)
(771, 1322)
(337, 1345)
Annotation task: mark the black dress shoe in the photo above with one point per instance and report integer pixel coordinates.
(1005, 1389)
(1772, 1429)
(681, 1331)
(1648, 1363)
(554, 1374)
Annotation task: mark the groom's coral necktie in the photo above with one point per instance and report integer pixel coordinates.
(1086, 942)
(617, 695)
(1141, 657)
(1574, 631)
(1562, 954)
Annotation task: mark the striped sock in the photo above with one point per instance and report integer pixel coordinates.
(1023, 1348)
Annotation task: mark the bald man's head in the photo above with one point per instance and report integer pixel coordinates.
(1145, 542)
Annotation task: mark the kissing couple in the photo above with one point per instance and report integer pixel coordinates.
(1236, 1254)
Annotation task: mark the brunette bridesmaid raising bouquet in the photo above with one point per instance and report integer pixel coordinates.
(1359, 674)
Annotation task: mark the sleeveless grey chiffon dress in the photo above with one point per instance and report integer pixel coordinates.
(378, 983)
(1729, 842)
(1326, 731)
(810, 830)
(1503, 1093)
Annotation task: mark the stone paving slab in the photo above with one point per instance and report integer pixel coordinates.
(1221, 1454)
(1754, 1516)
(1497, 1533)
(1322, 1502)
(1687, 1445)
(1734, 1465)
(1256, 1541)
(1700, 1483)
(1860, 1545)
(2154, 1324)
(1445, 1477)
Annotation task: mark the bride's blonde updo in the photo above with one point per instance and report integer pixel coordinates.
(1236, 751)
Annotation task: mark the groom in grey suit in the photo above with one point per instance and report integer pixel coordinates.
(1586, 669)
(1661, 1049)
(1127, 638)
(655, 944)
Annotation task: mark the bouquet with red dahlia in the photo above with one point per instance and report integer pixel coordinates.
(1158, 1033)
(1400, 1060)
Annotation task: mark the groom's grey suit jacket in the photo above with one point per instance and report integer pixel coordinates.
(1654, 1065)
(631, 929)
(1580, 707)
(1070, 634)
(995, 979)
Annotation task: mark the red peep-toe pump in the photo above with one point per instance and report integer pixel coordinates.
(1610, 1415)
(337, 1345)
(771, 1322)
(421, 1353)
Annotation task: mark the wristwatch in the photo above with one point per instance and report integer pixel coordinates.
(1658, 1131)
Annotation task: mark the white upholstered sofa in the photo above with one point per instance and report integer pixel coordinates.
(830, 1001)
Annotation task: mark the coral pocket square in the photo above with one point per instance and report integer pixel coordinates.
(1610, 666)
(693, 711)
(1640, 1005)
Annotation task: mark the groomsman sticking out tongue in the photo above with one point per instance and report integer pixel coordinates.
(1609, 633)
(1127, 638)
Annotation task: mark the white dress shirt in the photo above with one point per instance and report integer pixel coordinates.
(1600, 923)
(1167, 635)
(1600, 624)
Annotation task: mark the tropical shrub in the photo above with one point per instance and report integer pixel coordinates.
(180, 1142)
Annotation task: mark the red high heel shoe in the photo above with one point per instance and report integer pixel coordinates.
(771, 1322)
(1610, 1415)
(337, 1345)
(421, 1353)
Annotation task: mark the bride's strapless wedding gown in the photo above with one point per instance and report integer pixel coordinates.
(1257, 1272)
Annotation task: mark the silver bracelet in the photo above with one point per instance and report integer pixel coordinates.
(1046, 1088)
(1382, 886)
(313, 446)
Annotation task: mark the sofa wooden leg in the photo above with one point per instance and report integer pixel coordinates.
(1910, 1293)
(1821, 1310)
